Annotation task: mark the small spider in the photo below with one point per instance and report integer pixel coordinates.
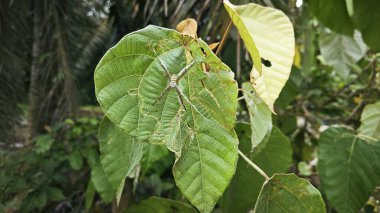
(173, 82)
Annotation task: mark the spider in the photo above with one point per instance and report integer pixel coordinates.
(173, 82)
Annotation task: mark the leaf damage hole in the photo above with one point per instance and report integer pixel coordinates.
(266, 63)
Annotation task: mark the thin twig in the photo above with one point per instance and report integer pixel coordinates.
(224, 38)
(238, 55)
(262, 173)
(205, 4)
(345, 87)
(367, 93)
(166, 8)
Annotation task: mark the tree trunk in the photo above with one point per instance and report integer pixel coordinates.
(36, 87)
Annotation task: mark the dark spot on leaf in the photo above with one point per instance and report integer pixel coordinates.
(266, 63)
(203, 83)
(204, 52)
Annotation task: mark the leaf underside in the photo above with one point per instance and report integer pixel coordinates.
(195, 123)
(269, 34)
(341, 51)
(260, 115)
(120, 153)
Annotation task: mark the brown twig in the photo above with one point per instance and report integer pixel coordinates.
(238, 56)
(345, 87)
(224, 38)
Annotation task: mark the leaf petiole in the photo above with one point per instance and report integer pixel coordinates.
(258, 169)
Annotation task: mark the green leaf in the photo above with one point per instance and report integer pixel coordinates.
(55, 194)
(195, 121)
(370, 121)
(151, 154)
(160, 205)
(273, 155)
(365, 17)
(207, 164)
(260, 115)
(120, 153)
(349, 168)
(75, 160)
(44, 143)
(89, 195)
(289, 193)
(102, 184)
(342, 51)
(271, 31)
(304, 168)
(334, 15)
(130, 84)
(39, 199)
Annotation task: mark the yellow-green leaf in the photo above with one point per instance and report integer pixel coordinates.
(235, 13)
(269, 37)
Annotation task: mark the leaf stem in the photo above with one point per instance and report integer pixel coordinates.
(224, 38)
(254, 166)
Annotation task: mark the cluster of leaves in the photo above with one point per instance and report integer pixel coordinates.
(62, 172)
(50, 175)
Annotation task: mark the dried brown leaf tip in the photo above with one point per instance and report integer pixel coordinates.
(188, 27)
(213, 46)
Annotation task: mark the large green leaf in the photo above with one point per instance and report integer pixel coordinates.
(349, 168)
(151, 154)
(271, 32)
(289, 193)
(120, 153)
(102, 184)
(366, 17)
(273, 155)
(160, 205)
(130, 83)
(334, 15)
(342, 51)
(370, 121)
(207, 164)
(260, 115)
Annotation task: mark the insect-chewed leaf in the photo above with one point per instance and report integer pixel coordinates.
(153, 87)
(269, 37)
